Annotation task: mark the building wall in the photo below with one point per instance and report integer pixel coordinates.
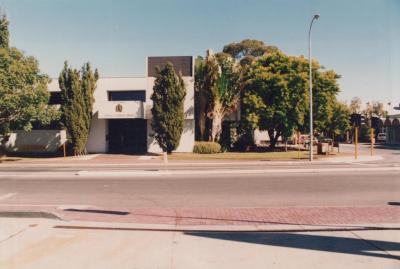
(97, 142)
(103, 109)
(45, 141)
(393, 135)
(185, 145)
(116, 84)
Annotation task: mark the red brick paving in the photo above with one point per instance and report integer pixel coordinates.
(248, 216)
(233, 216)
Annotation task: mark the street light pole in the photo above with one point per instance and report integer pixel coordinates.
(311, 157)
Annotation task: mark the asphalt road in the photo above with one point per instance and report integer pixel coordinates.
(213, 190)
(262, 184)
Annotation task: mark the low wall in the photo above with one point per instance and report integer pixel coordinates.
(36, 141)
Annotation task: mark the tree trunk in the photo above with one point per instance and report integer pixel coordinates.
(201, 107)
(216, 123)
(273, 138)
(3, 145)
(202, 125)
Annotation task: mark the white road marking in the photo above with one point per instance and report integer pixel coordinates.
(123, 173)
(157, 173)
(8, 195)
(81, 207)
(237, 171)
(146, 158)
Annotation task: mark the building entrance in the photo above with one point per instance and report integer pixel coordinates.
(127, 136)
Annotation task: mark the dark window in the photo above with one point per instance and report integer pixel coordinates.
(182, 64)
(127, 96)
(55, 98)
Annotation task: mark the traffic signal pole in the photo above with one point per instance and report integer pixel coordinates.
(372, 136)
(356, 143)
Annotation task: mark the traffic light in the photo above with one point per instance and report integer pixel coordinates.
(363, 120)
(355, 119)
(376, 123)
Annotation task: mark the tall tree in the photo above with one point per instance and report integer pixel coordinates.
(23, 89)
(4, 33)
(77, 99)
(218, 83)
(374, 109)
(275, 97)
(168, 108)
(355, 105)
(339, 123)
(247, 50)
(202, 98)
(225, 92)
(325, 90)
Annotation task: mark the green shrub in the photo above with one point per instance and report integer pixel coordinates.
(206, 147)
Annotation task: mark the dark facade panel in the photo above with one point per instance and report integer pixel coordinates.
(136, 95)
(55, 98)
(181, 64)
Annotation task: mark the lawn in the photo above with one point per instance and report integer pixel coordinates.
(289, 155)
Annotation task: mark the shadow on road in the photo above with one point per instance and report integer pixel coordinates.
(387, 146)
(111, 212)
(311, 242)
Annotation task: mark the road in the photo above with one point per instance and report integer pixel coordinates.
(206, 185)
(214, 190)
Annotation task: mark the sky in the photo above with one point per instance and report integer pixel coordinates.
(359, 39)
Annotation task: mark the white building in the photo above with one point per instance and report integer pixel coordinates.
(122, 112)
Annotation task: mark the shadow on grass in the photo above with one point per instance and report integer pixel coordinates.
(355, 246)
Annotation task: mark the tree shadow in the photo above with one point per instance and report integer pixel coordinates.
(97, 211)
(335, 244)
(387, 146)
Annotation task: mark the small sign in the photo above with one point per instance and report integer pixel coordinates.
(118, 108)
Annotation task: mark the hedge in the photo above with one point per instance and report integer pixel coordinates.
(206, 147)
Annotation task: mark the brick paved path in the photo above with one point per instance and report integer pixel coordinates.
(243, 216)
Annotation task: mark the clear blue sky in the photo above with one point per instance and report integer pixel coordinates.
(360, 39)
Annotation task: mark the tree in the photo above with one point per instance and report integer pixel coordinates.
(4, 33)
(247, 50)
(202, 98)
(325, 90)
(218, 85)
(168, 108)
(275, 97)
(374, 109)
(224, 89)
(355, 105)
(23, 89)
(77, 88)
(340, 119)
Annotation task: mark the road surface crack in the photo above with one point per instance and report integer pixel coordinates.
(13, 235)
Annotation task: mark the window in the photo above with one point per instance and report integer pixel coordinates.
(127, 96)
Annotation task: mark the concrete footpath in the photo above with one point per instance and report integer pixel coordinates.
(43, 243)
